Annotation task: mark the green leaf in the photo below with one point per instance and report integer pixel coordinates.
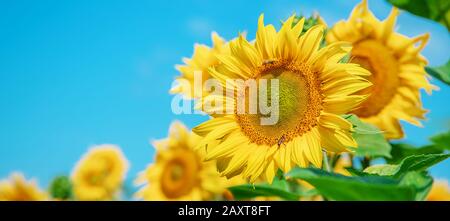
(278, 188)
(421, 182)
(442, 73)
(361, 127)
(372, 145)
(439, 143)
(401, 150)
(382, 169)
(411, 163)
(356, 172)
(442, 141)
(371, 141)
(437, 10)
(339, 187)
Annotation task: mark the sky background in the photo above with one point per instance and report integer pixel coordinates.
(78, 73)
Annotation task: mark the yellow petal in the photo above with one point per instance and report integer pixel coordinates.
(310, 42)
(227, 148)
(204, 128)
(313, 151)
(271, 171)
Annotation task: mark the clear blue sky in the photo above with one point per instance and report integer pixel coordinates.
(78, 73)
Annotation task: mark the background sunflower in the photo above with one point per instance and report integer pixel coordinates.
(178, 171)
(100, 173)
(397, 67)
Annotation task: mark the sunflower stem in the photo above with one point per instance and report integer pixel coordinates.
(326, 164)
(365, 162)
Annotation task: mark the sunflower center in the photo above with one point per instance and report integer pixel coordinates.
(179, 175)
(375, 57)
(300, 103)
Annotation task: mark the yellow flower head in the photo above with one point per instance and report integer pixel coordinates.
(178, 172)
(16, 188)
(440, 191)
(315, 88)
(342, 163)
(100, 173)
(203, 58)
(395, 63)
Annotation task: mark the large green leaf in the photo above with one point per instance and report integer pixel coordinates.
(338, 187)
(439, 143)
(442, 72)
(278, 188)
(437, 10)
(357, 172)
(374, 145)
(371, 141)
(420, 181)
(442, 141)
(411, 163)
(360, 127)
(402, 150)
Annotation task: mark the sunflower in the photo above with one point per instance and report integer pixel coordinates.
(397, 68)
(440, 191)
(203, 58)
(100, 173)
(16, 188)
(315, 89)
(178, 172)
(342, 163)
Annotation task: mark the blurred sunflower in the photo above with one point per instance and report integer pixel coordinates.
(440, 191)
(396, 65)
(202, 58)
(100, 173)
(314, 90)
(178, 172)
(16, 188)
(342, 163)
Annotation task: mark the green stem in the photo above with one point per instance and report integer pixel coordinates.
(365, 162)
(326, 164)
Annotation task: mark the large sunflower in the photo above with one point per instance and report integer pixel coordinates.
(100, 173)
(314, 90)
(178, 172)
(397, 68)
(202, 58)
(16, 188)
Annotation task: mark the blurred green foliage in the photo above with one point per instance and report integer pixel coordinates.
(436, 10)
(61, 188)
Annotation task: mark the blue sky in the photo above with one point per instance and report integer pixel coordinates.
(78, 73)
